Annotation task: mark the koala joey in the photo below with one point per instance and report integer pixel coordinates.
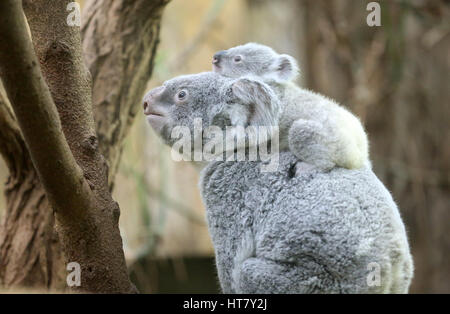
(284, 231)
(316, 129)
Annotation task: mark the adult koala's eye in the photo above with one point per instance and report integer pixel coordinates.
(182, 95)
(237, 59)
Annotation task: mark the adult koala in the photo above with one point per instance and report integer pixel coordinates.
(285, 231)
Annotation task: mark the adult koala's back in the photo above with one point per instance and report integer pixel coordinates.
(290, 231)
(309, 232)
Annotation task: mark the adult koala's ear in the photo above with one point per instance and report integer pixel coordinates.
(284, 69)
(253, 103)
(248, 103)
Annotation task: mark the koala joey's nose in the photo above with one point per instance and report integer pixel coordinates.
(218, 56)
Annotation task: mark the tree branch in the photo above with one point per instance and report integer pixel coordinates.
(119, 40)
(12, 145)
(58, 47)
(37, 114)
(94, 242)
(57, 121)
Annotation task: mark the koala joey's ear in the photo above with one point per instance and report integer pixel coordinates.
(285, 68)
(261, 103)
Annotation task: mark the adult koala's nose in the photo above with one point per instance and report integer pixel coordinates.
(151, 98)
(218, 56)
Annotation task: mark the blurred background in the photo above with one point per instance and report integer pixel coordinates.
(395, 77)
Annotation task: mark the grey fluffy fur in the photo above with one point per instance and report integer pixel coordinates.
(315, 128)
(289, 231)
(311, 232)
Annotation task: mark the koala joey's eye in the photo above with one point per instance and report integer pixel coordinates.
(237, 58)
(182, 95)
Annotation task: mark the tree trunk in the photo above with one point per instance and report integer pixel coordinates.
(29, 248)
(27, 237)
(119, 42)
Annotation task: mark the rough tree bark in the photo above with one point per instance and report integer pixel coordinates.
(86, 215)
(28, 219)
(29, 252)
(120, 56)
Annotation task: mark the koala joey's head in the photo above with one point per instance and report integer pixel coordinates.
(256, 60)
(215, 99)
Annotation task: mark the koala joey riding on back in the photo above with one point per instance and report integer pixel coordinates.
(283, 231)
(314, 128)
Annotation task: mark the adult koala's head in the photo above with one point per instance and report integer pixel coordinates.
(214, 99)
(257, 60)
